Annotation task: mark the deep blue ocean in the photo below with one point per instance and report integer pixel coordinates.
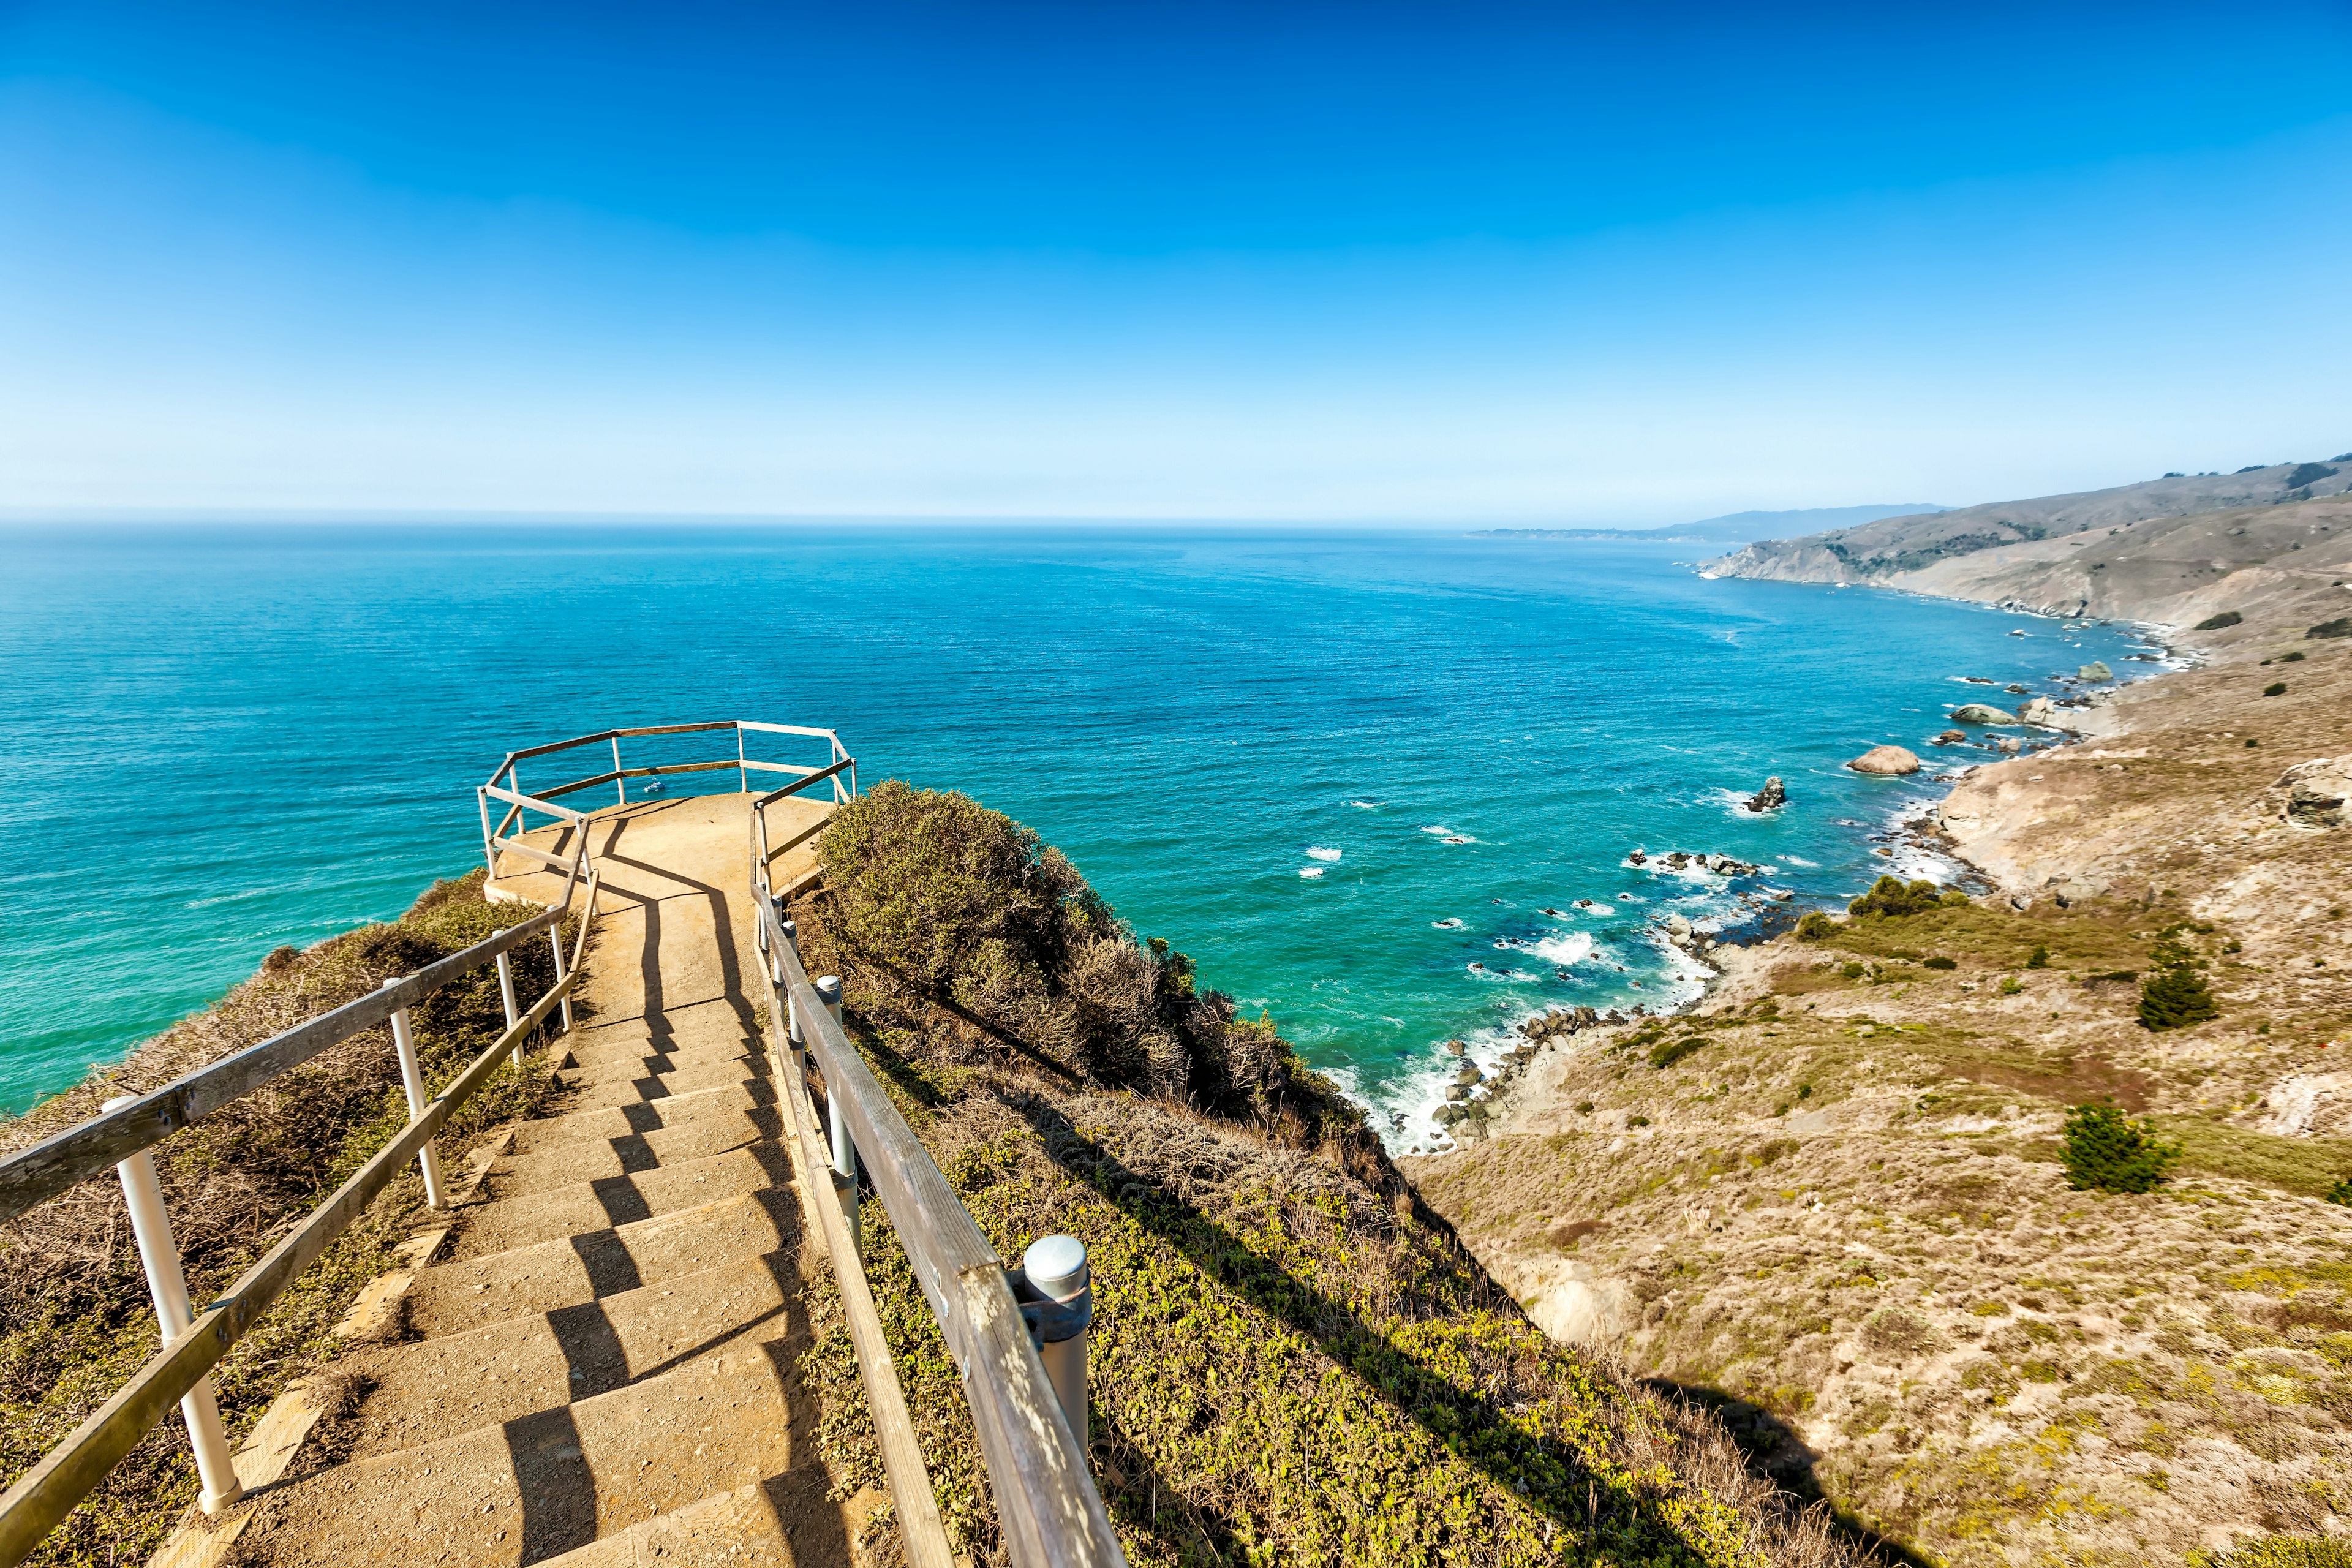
(1346, 770)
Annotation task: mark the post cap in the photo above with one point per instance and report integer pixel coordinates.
(829, 987)
(1056, 1267)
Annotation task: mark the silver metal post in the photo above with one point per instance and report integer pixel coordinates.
(555, 941)
(506, 991)
(620, 784)
(490, 854)
(152, 1227)
(1057, 1269)
(412, 1079)
(792, 1005)
(742, 772)
(844, 1149)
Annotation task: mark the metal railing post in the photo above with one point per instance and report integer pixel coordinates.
(506, 995)
(490, 851)
(792, 1003)
(152, 1227)
(742, 772)
(620, 784)
(1056, 1268)
(844, 1149)
(555, 941)
(412, 1080)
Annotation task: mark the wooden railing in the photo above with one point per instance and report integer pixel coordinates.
(123, 1136)
(995, 1319)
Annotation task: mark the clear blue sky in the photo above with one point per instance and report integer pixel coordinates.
(1377, 262)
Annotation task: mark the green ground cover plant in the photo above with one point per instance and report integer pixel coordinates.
(2105, 1150)
(1294, 1359)
(75, 1319)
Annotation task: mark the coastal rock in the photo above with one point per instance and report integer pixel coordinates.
(2041, 712)
(1678, 929)
(2095, 671)
(2316, 791)
(1950, 738)
(1469, 1074)
(1981, 713)
(2015, 689)
(1771, 798)
(1456, 1047)
(2073, 891)
(1638, 858)
(2009, 745)
(1885, 760)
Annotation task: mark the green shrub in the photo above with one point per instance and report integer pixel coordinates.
(1893, 896)
(2275, 688)
(2176, 997)
(1851, 969)
(1666, 1053)
(2294, 657)
(2341, 1193)
(1815, 927)
(2215, 623)
(2010, 985)
(1938, 963)
(2106, 1151)
(2039, 958)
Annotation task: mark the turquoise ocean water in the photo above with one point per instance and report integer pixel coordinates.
(1300, 756)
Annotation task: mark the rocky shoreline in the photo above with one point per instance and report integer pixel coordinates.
(1825, 1197)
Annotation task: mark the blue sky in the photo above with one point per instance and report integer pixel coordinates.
(1376, 262)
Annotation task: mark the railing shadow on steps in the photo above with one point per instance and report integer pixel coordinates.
(995, 1319)
(123, 1136)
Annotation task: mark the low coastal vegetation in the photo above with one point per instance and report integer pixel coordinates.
(2014, 1222)
(74, 1318)
(1293, 1361)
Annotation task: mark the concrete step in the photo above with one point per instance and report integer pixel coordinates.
(590, 1095)
(714, 1068)
(607, 1122)
(583, 1208)
(787, 1520)
(505, 1372)
(452, 1297)
(586, 1058)
(709, 1022)
(585, 1160)
(547, 1483)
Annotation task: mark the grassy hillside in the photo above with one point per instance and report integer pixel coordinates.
(1835, 1198)
(75, 1319)
(1293, 1360)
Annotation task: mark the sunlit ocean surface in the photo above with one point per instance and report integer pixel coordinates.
(1346, 770)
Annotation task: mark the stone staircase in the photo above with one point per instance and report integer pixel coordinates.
(595, 1363)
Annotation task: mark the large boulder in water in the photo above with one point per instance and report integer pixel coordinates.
(1887, 760)
(2041, 712)
(2095, 671)
(1771, 798)
(1981, 713)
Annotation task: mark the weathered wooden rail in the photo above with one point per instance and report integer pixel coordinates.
(122, 1137)
(996, 1320)
(1017, 1335)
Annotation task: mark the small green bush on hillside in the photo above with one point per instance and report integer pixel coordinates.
(2215, 623)
(2175, 998)
(2040, 957)
(2106, 1151)
(2341, 1193)
(1815, 927)
(1893, 896)
(1666, 1053)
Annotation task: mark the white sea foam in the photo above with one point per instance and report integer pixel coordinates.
(1321, 852)
(1451, 922)
(1571, 947)
(1365, 804)
(1437, 830)
(1797, 860)
(1310, 871)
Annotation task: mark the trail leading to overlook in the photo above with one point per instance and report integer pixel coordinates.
(595, 1363)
